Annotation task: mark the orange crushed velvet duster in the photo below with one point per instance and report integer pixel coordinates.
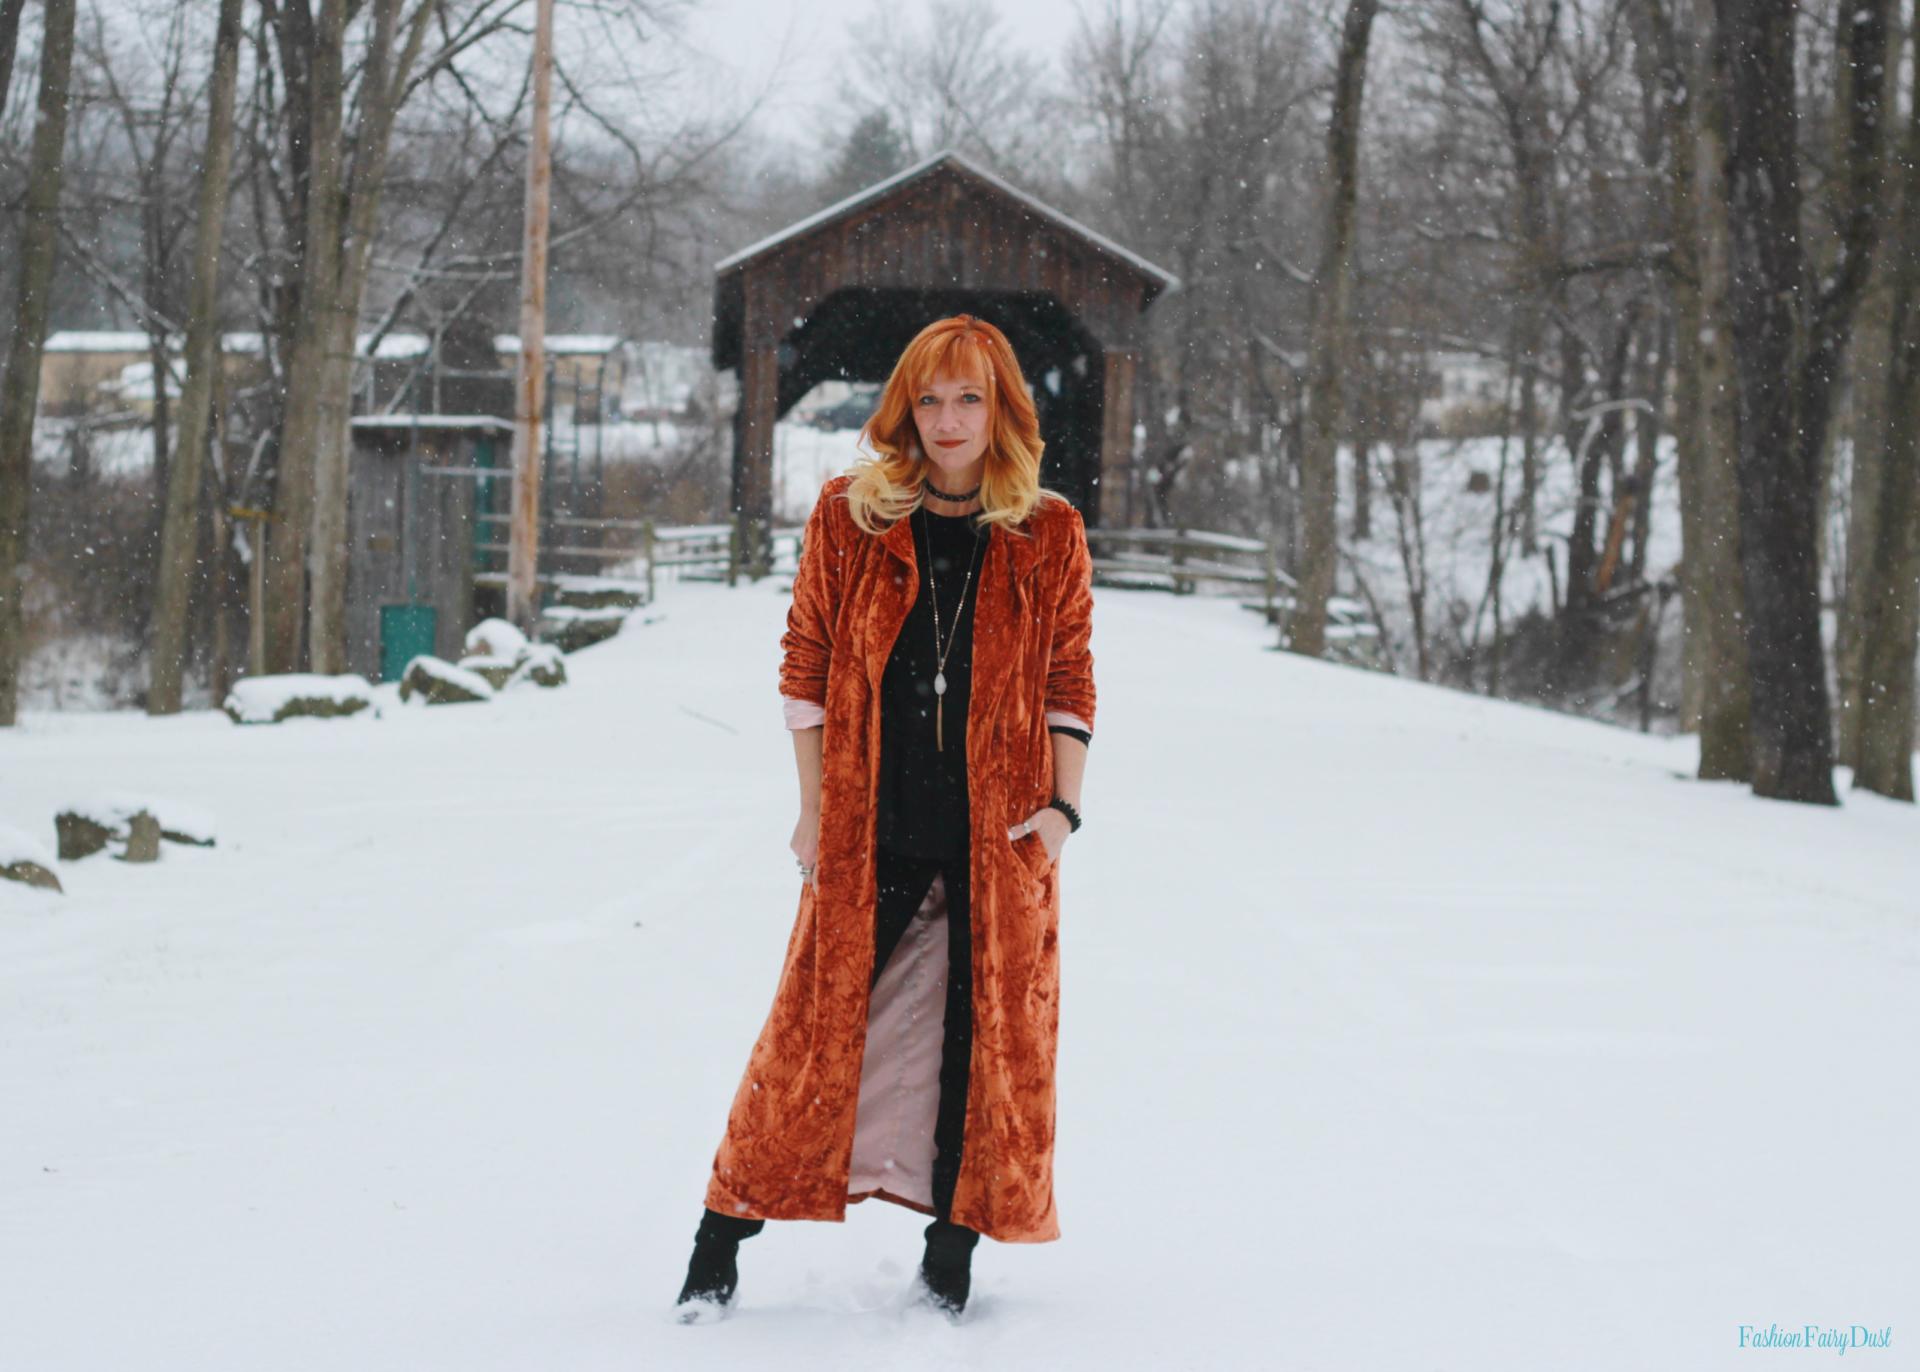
(790, 1134)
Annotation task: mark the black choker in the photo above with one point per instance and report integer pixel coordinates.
(928, 488)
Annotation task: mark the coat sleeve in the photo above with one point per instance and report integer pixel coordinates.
(1070, 696)
(807, 645)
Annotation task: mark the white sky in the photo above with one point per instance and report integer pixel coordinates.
(747, 38)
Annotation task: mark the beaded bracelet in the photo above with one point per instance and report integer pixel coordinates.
(1073, 815)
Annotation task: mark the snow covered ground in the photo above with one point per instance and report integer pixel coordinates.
(1401, 1030)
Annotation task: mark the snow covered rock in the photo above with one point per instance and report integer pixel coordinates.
(544, 665)
(137, 828)
(439, 682)
(599, 593)
(143, 838)
(496, 638)
(573, 629)
(87, 827)
(80, 835)
(24, 859)
(496, 670)
(271, 699)
(495, 650)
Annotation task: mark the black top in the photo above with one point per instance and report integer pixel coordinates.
(923, 791)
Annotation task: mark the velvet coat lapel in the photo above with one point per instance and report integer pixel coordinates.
(787, 1149)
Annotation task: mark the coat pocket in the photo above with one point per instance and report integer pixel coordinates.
(1031, 852)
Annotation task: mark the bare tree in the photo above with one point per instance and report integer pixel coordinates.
(1784, 384)
(955, 82)
(343, 147)
(1531, 168)
(1889, 628)
(20, 383)
(1677, 78)
(1202, 144)
(1403, 477)
(204, 358)
(10, 12)
(152, 122)
(1517, 57)
(1332, 285)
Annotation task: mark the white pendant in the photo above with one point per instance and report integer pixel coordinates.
(939, 683)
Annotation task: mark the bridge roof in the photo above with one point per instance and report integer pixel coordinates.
(944, 227)
(947, 158)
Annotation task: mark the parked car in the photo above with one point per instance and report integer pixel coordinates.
(850, 413)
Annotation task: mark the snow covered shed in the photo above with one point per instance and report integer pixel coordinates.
(417, 493)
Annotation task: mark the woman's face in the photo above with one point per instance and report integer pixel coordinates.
(952, 416)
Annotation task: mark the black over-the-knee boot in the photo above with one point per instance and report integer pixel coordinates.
(713, 1272)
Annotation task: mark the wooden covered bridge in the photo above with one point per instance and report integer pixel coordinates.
(838, 295)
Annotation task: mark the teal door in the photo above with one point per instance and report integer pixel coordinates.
(485, 530)
(406, 632)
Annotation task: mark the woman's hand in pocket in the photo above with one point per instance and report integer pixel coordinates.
(1050, 826)
(806, 847)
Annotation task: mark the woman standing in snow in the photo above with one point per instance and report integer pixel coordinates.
(938, 681)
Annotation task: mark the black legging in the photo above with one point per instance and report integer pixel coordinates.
(903, 883)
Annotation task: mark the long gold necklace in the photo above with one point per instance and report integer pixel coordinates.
(940, 653)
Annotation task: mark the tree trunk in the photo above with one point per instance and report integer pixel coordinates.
(226, 575)
(1646, 434)
(160, 432)
(1714, 700)
(178, 532)
(389, 64)
(1532, 338)
(1539, 284)
(1755, 47)
(1405, 495)
(1596, 447)
(1871, 364)
(1718, 598)
(327, 641)
(1872, 393)
(293, 503)
(1889, 625)
(1319, 466)
(1785, 394)
(10, 11)
(1363, 482)
(20, 383)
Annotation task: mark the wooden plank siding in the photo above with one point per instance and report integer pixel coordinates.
(410, 531)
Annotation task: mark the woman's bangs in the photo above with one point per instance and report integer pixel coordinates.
(956, 356)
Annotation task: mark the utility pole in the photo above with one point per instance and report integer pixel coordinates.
(523, 539)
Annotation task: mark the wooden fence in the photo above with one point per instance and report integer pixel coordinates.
(1185, 560)
(629, 550)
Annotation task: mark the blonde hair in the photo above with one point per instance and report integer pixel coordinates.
(886, 486)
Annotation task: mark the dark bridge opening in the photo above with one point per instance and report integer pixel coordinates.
(858, 333)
